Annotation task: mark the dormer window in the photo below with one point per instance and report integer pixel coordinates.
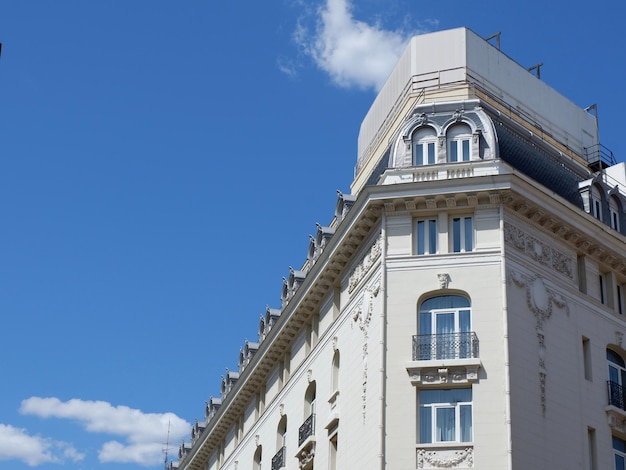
(424, 144)
(596, 203)
(459, 138)
(614, 210)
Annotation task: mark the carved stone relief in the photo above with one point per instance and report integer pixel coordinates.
(539, 251)
(540, 300)
(445, 458)
(366, 263)
(361, 317)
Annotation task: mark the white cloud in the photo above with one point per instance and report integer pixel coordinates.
(17, 444)
(352, 52)
(144, 433)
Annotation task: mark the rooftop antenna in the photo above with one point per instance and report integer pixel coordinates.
(167, 445)
(537, 68)
(495, 36)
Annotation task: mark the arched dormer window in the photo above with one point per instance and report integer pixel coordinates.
(424, 145)
(615, 212)
(445, 329)
(596, 203)
(459, 139)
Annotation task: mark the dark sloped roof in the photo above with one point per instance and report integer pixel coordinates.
(539, 165)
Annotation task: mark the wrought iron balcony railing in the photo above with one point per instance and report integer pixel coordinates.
(278, 461)
(307, 429)
(462, 345)
(616, 395)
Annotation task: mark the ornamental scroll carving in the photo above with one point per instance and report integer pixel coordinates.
(362, 316)
(366, 263)
(539, 251)
(461, 458)
(540, 300)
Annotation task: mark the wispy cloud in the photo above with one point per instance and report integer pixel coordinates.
(17, 444)
(143, 433)
(354, 53)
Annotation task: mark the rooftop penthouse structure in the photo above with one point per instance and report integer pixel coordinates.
(464, 307)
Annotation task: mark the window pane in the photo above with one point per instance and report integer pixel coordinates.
(466, 423)
(432, 236)
(456, 235)
(469, 234)
(466, 151)
(445, 424)
(419, 154)
(431, 153)
(619, 462)
(453, 151)
(425, 323)
(445, 301)
(421, 233)
(425, 425)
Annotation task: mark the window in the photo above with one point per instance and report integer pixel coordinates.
(620, 299)
(602, 281)
(426, 235)
(459, 138)
(332, 457)
(462, 238)
(445, 415)
(424, 143)
(593, 459)
(258, 455)
(614, 211)
(278, 461)
(335, 372)
(445, 329)
(617, 378)
(596, 203)
(307, 429)
(619, 451)
(586, 358)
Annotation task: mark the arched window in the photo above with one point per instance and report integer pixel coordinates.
(615, 213)
(459, 138)
(307, 429)
(258, 455)
(279, 459)
(445, 329)
(335, 372)
(424, 146)
(617, 379)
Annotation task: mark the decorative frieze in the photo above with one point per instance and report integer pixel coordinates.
(361, 270)
(539, 251)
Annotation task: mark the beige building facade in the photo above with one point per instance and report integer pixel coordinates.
(464, 308)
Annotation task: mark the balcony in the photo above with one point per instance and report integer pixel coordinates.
(448, 358)
(306, 430)
(278, 461)
(306, 443)
(616, 409)
(462, 345)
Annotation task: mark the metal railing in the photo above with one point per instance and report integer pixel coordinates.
(616, 395)
(278, 461)
(307, 429)
(461, 345)
(599, 157)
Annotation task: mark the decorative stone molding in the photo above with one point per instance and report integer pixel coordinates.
(257, 439)
(366, 263)
(616, 419)
(306, 455)
(362, 316)
(309, 375)
(540, 300)
(445, 458)
(538, 251)
(281, 409)
(444, 280)
(335, 342)
(454, 371)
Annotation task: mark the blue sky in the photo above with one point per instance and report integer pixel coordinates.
(161, 166)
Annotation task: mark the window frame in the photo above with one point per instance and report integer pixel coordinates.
(426, 239)
(424, 147)
(459, 236)
(429, 420)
